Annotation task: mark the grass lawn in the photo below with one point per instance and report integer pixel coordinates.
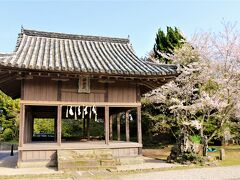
(232, 154)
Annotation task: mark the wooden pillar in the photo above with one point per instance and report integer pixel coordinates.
(26, 126)
(21, 125)
(127, 126)
(106, 124)
(110, 127)
(84, 127)
(139, 124)
(119, 126)
(31, 124)
(59, 125)
(55, 129)
(19, 157)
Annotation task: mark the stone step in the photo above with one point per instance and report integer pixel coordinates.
(108, 162)
(129, 160)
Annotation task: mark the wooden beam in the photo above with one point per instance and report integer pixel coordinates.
(127, 126)
(60, 79)
(106, 81)
(59, 125)
(97, 75)
(119, 109)
(106, 125)
(110, 127)
(44, 114)
(119, 126)
(80, 146)
(139, 124)
(69, 103)
(97, 91)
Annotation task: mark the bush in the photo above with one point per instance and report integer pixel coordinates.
(195, 139)
(191, 157)
(8, 134)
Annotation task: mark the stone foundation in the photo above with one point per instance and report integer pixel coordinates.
(85, 159)
(92, 159)
(76, 159)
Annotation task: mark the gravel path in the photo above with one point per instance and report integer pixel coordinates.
(8, 163)
(211, 173)
(4, 154)
(149, 163)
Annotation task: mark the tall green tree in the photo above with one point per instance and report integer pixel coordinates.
(9, 117)
(166, 43)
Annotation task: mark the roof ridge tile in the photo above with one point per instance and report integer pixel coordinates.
(59, 35)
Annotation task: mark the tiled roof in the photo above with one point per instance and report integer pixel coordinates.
(4, 55)
(48, 51)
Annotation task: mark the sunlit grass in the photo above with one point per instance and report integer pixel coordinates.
(232, 155)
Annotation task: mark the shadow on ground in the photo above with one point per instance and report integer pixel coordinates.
(154, 160)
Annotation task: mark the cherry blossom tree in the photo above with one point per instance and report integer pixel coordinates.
(205, 97)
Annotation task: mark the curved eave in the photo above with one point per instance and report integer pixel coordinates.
(79, 73)
(10, 85)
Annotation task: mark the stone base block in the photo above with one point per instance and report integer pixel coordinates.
(34, 164)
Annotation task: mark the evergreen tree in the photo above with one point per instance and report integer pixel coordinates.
(166, 43)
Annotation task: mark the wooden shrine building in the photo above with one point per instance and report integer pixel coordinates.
(85, 79)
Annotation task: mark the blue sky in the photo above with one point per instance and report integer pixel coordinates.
(138, 19)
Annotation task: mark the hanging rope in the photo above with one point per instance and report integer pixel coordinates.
(71, 111)
(79, 110)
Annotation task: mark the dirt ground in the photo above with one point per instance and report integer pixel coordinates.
(160, 154)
